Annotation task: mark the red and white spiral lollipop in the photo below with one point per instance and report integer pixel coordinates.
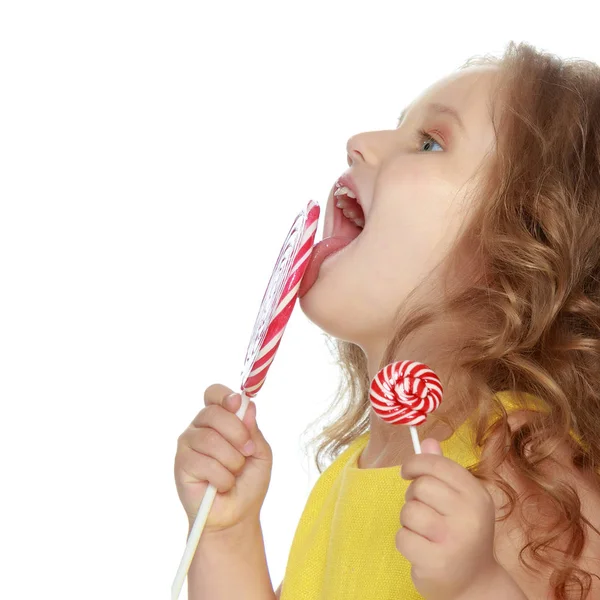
(404, 393)
(279, 299)
(273, 315)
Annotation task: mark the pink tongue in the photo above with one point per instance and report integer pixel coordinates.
(320, 252)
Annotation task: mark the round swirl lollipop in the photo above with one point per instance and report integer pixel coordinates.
(273, 315)
(404, 393)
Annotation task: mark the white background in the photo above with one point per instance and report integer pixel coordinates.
(153, 157)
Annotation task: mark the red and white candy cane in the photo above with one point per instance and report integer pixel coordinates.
(273, 315)
(404, 393)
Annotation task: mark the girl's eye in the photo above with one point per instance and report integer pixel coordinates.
(426, 140)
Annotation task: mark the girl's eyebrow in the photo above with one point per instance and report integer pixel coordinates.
(438, 108)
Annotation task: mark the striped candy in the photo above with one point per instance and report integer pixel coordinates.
(277, 303)
(403, 393)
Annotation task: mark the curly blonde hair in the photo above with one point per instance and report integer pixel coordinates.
(529, 312)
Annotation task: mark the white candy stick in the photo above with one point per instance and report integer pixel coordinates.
(199, 522)
(415, 439)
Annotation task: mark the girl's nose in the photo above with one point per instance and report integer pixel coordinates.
(368, 147)
(353, 154)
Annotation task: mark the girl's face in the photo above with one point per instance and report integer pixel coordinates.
(409, 185)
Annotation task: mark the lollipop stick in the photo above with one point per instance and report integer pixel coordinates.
(199, 522)
(415, 439)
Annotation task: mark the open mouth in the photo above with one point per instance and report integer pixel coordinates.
(351, 219)
(348, 223)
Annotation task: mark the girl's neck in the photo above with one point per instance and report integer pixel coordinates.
(389, 445)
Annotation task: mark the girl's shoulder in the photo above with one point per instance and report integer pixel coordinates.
(347, 455)
(326, 487)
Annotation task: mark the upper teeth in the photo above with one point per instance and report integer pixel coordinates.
(344, 191)
(342, 203)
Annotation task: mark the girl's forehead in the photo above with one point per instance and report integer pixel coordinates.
(467, 97)
(466, 91)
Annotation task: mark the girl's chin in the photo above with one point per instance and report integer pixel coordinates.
(316, 305)
(324, 307)
(321, 282)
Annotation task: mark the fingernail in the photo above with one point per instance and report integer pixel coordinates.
(229, 399)
(248, 448)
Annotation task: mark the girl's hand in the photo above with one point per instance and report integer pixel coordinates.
(447, 526)
(215, 449)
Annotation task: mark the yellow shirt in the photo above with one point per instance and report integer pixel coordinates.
(344, 547)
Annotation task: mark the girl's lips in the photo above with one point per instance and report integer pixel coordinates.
(329, 215)
(345, 234)
(346, 181)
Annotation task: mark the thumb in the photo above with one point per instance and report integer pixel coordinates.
(431, 446)
(262, 448)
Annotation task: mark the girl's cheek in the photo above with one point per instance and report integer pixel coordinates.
(417, 171)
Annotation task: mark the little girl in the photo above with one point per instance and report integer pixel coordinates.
(481, 260)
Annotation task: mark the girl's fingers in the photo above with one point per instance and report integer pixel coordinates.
(423, 520)
(445, 469)
(205, 468)
(217, 394)
(413, 546)
(211, 443)
(434, 493)
(225, 423)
